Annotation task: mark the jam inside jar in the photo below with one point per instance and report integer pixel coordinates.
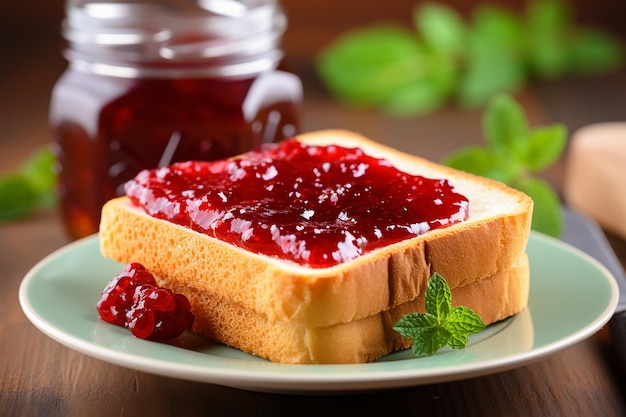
(170, 97)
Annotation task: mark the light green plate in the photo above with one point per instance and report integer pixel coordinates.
(571, 297)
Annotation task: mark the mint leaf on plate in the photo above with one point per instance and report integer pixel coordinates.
(442, 324)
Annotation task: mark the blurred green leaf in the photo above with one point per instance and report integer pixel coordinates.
(593, 51)
(39, 170)
(29, 188)
(18, 197)
(442, 28)
(494, 61)
(513, 153)
(548, 15)
(415, 98)
(365, 66)
(547, 216)
(548, 24)
(543, 146)
(549, 57)
(488, 73)
(427, 92)
(484, 162)
(496, 51)
(505, 125)
(498, 23)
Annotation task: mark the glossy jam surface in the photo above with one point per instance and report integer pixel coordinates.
(132, 299)
(107, 129)
(317, 206)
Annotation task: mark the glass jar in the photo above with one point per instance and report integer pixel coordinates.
(154, 82)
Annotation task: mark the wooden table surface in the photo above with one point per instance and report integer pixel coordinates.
(40, 377)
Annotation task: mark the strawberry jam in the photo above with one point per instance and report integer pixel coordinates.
(317, 206)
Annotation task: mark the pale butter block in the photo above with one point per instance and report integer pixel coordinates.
(595, 174)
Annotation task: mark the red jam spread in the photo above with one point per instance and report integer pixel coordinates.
(317, 206)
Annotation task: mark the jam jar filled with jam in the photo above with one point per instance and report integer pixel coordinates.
(150, 83)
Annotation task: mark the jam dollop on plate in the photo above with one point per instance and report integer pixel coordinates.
(317, 206)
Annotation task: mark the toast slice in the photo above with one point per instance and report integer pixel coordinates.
(364, 340)
(491, 241)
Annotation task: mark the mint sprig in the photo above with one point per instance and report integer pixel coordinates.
(29, 188)
(442, 324)
(516, 154)
(444, 56)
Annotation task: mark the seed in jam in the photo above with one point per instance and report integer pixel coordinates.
(317, 206)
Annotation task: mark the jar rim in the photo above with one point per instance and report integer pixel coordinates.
(126, 70)
(164, 33)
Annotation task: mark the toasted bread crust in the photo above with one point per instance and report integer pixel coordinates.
(490, 242)
(364, 340)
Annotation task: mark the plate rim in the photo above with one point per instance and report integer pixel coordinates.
(293, 382)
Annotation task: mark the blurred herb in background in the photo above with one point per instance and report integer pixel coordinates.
(514, 154)
(412, 72)
(29, 188)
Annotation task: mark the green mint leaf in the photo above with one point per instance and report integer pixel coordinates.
(431, 87)
(593, 52)
(441, 325)
(18, 198)
(31, 187)
(556, 46)
(505, 124)
(365, 66)
(429, 340)
(438, 297)
(427, 333)
(548, 25)
(495, 60)
(500, 24)
(388, 67)
(543, 146)
(462, 322)
(549, 56)
(548, 15)
(513, 153)
(547, 216)
(488, 73)
(39, 170)
(484, 162)
(442, 28)
(414, 99)
(412, 325)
